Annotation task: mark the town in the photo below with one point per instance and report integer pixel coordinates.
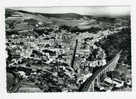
(67, 53)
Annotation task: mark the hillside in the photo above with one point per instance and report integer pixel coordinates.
(70, 19)
(58, 52)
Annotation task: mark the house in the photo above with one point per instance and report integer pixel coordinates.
(118, 83)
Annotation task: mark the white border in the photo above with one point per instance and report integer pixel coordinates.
(44, 3)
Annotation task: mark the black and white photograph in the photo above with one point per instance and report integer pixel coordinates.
(68, 49)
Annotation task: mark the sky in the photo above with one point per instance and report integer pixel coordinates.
(94, 10)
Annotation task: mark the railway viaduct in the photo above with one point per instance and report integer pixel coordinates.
(88, 85)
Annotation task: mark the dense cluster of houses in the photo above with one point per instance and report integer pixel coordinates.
(47, 51)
